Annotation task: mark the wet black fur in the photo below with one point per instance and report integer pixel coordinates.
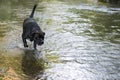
(32, 31)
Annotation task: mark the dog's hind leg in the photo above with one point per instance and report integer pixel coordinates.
(24, 41)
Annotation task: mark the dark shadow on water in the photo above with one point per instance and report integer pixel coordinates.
(32, 66)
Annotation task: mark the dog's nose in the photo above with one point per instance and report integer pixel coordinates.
(42, 42)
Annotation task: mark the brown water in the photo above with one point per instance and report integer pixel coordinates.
(82, 41)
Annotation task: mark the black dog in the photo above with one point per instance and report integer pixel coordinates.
(32, 31)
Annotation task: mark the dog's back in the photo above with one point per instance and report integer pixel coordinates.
(30, 23)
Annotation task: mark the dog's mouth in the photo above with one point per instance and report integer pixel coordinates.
(40, 43)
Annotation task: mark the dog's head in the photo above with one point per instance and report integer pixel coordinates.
(38, 37)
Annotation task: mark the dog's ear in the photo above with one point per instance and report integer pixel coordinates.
(37, 32)
(33, 34)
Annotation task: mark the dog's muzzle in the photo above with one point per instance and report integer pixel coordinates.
(41, 42)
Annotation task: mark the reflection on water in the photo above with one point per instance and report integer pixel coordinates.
(82, 41)
(31, 65)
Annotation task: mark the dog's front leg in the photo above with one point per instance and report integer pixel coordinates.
(35, 45)
(24, 41)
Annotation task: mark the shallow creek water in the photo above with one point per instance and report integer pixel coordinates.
(82, 41)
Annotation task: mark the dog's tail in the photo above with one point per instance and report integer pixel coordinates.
(32, 14)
